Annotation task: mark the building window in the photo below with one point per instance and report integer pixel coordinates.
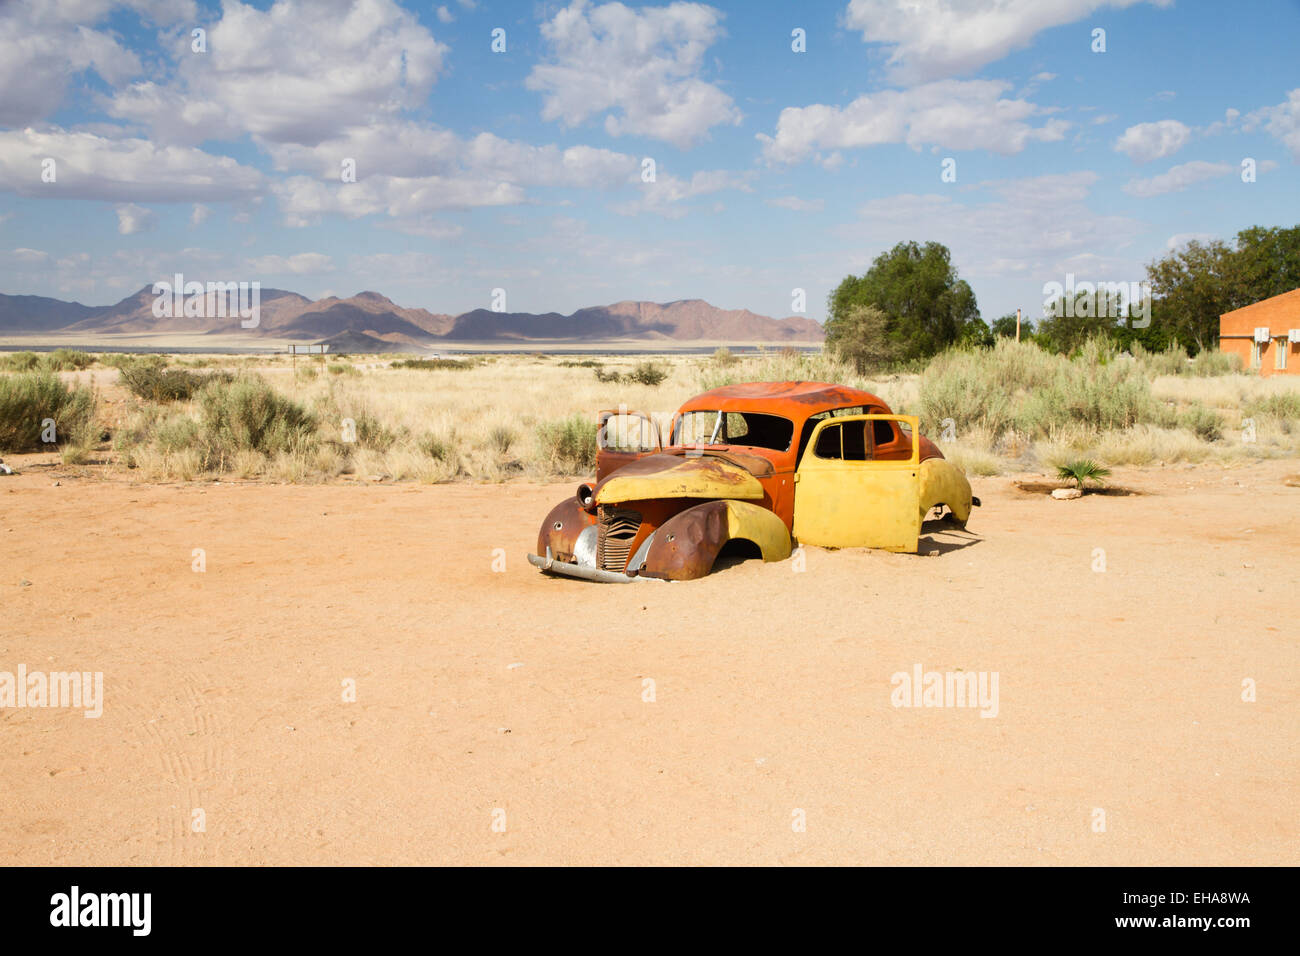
(1279, 362)
(1254, 355)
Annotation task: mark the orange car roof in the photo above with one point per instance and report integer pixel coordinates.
(793, 399)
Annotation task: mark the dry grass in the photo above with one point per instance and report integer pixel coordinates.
(533, 416)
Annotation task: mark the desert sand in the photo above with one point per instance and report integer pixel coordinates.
(512, 698)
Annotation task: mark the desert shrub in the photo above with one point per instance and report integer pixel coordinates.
(501, 438)
(1204, 422)
(19, 361)
(67, 360)
(1174, 361)
(176, 433)
(433, 365)
(608, 375)
(343, 368)
(1019, 385)
(580, 363)
(247, 414)
(441, 447)
(649, 373)
(150, 378)
(28, 399)
(1281, 406)
(372, 433)
(723, 357)
(568, 445)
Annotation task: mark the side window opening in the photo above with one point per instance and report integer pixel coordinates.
(845, 442)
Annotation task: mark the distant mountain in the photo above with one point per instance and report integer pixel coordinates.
(36, 313)
(293, 316)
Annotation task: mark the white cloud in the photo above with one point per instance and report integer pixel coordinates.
(304, 199)
(929, 39)
(406, 169)
(797, 204)
(957, 114)
(1180, 239)
(44, 45)
(1178, 178)
(425, 227)
(1148, 141)
(300, 264)
(296, 73)
(667, 194)
(1033, 228)
(28, 256)
(133, 219)
(200, 214)
(1281, 121)
(88, 166)
(641, 68)
(445, 15)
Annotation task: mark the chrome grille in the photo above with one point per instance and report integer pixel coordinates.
(617, 529)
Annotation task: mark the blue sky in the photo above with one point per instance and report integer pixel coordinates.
(522, 170)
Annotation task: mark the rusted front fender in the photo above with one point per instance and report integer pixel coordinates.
(559, 532)
(686, 546)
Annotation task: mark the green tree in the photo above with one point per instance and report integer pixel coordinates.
(1192, 287)
(975, 333)
(1005, 326)
(1196, 284)
(862, 339)
(917, 288)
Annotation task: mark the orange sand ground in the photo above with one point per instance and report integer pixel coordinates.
(476, 690)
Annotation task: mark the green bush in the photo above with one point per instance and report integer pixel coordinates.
(569, 444)
(67, 360)
(149, 378)
(1203, 421)
(19, 361)
(28, 399)
(248, 414)
(433, 365)
(441, 447)
(1018, 385)
(648, 373)
(1282, 406)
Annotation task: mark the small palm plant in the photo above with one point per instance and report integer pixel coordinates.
(1083, 470)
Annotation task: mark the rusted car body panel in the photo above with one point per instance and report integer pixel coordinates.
(839, 469)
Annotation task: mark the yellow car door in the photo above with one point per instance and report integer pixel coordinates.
(846, 499)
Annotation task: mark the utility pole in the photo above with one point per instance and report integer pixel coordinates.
(1017, 325)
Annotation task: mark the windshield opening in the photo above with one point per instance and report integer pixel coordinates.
(746, 429)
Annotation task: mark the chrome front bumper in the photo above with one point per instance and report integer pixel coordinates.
(551, 566)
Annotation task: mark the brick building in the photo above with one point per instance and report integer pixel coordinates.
(1266, 334)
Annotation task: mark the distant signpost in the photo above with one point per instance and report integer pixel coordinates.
(296, 350)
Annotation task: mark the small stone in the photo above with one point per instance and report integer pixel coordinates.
(24, 583)
(374, 477)
(1067, 494)
(56, 484)
(513, 666)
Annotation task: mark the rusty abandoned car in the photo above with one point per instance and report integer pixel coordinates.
(750, 469)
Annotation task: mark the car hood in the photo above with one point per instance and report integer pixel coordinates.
(677, 476)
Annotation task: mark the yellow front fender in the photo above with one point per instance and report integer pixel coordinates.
(943, 483)
(765, 529)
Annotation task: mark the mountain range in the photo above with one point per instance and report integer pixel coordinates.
(370, 316)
